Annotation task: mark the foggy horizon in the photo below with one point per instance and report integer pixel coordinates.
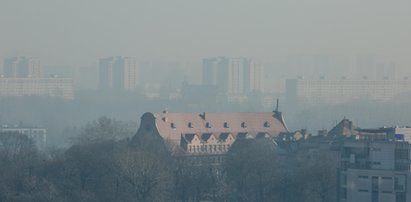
(213, 100)
(77, 33)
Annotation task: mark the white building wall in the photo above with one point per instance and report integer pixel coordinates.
(344, 90)
(360, 186)
(382, 156)
(49, 87)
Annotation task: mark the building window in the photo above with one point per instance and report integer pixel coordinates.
(400, 197)
(344, 193)
(374, 182)
(374, 196)
(402, 154)
(172, 125)
(376, 163)
(399, 183)
(243, 125)
(226, 125)
(190, 125)
(267, 124)
(208, 125)
(363, 177)
(343, 179)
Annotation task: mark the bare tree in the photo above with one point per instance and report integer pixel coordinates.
(19, 179)
(147, 176)
(104, 129)
(251, 167)
(318, 168)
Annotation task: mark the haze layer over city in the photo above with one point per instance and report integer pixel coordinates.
(81, 73)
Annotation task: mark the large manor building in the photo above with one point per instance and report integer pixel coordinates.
(211, 133)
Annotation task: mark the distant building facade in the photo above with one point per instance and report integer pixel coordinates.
(47, 87)
(234, 76)
(325, 91)
(316, 64)
(23, 76)
(22, 67)
(118, 73)
(38, 135)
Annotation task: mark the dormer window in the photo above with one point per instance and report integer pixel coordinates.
(226, 125)
(267, 124)
(172, 125)
(243, 125)
(190, 125)
(208, 125)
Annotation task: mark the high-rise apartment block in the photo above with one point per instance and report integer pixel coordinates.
(22, 67)
(118, 73)
(233, 76)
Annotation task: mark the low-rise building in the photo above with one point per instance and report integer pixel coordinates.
(335, 91)
(48, 87)
(38, 135)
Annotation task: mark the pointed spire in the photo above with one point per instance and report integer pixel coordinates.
(277, 106)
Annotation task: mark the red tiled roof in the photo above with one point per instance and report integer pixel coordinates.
(255, 122)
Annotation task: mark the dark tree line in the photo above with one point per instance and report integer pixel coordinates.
(139, 170)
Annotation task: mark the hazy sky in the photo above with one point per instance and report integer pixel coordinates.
(77, 32)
